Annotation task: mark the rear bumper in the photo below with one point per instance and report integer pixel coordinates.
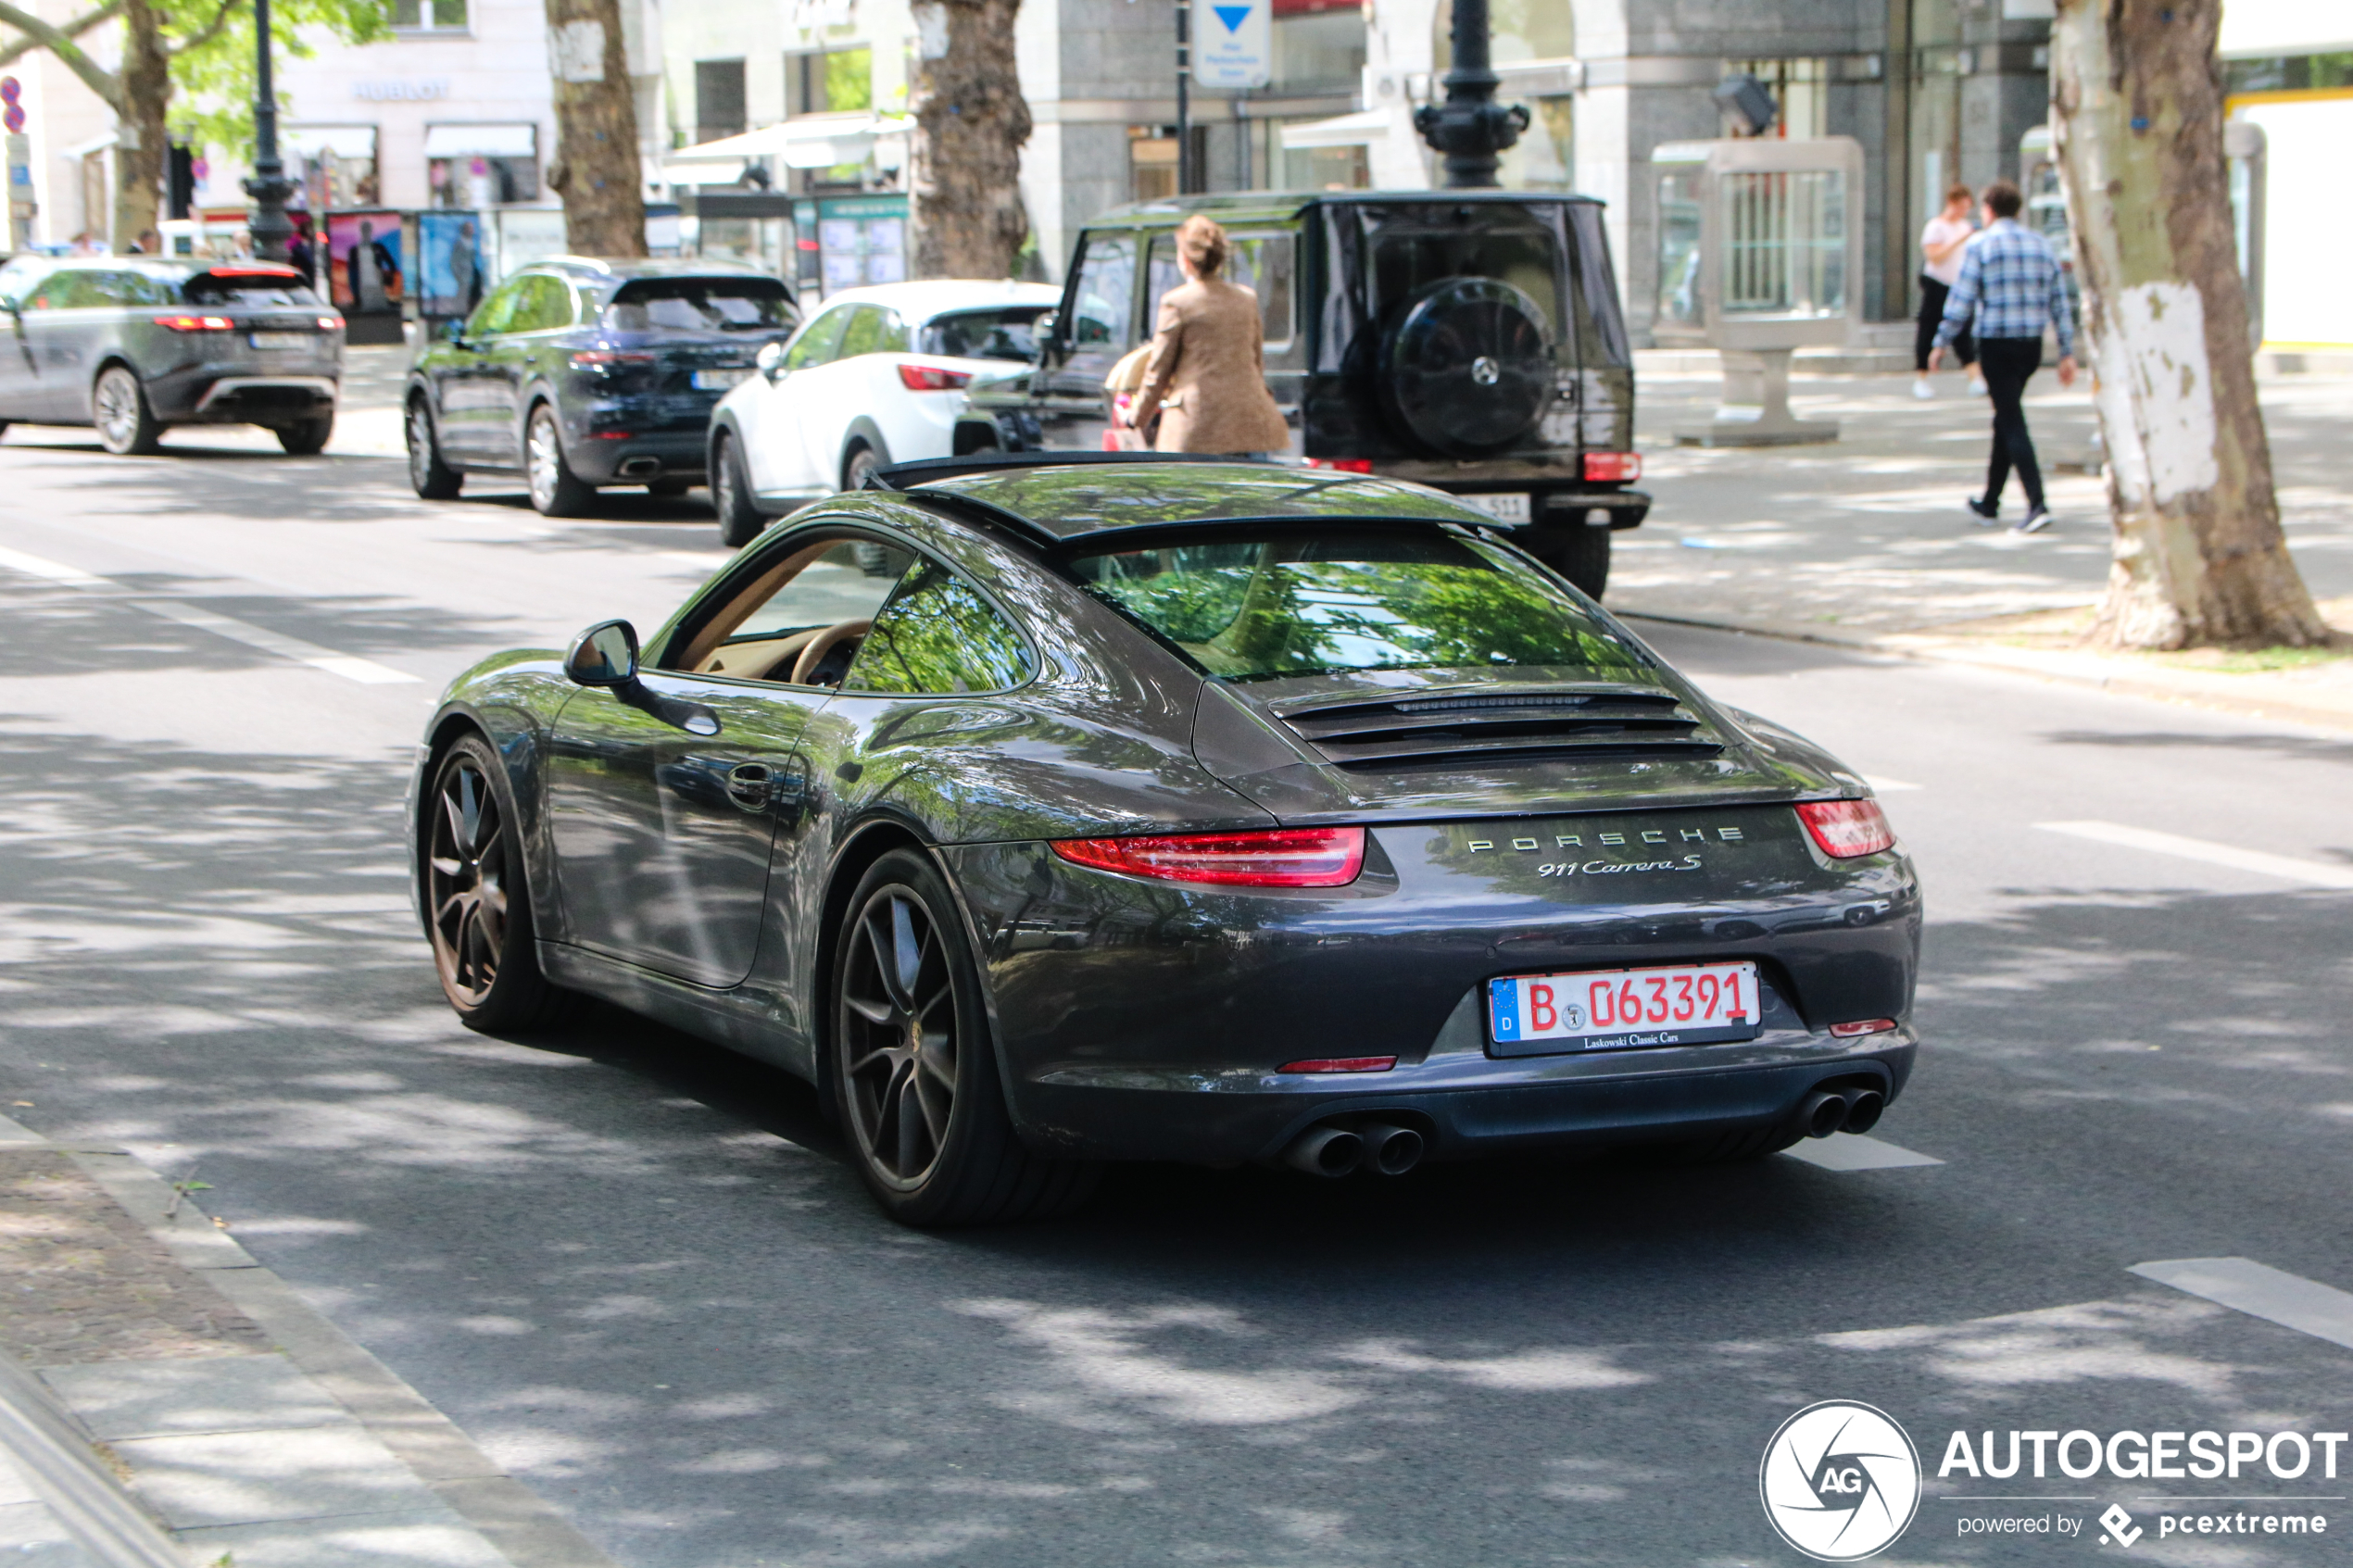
(237, 395)
(607, 461)
(633, 438)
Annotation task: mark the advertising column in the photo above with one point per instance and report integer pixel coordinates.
(20, 161)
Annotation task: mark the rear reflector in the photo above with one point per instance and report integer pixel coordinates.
(1846, 828)
(1342, 465)
(1274, 858)
(1340, 1064)
(1863, 1026)
(196, 323)
(1607, 467)
(931, 378)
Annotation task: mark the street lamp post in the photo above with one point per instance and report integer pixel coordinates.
(268, 185)
(1470, 127)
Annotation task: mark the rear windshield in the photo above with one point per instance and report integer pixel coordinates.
(700, 305)
(1289, 604)
(1414, 247)
(985, 335)
(213, 288)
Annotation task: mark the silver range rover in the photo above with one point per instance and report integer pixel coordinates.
(132, 345)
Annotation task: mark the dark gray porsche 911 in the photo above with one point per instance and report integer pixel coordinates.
(1045, 812)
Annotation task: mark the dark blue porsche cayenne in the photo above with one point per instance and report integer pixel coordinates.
(1045, 813)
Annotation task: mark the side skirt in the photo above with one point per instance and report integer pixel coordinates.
(737, 1019)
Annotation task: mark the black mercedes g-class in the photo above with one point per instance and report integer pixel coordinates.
(1470, 340)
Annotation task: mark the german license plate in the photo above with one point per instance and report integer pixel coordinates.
(1619, 1009)
(1506, 507)
(718, 380)
(280, 342)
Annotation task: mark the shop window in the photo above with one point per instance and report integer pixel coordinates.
(1318, 44)
(429, 16)
(2288, 73)
(1151, 164)
(718, 99)
(1800, 90)
(472, 166)
(830, 81)
(1325, 168)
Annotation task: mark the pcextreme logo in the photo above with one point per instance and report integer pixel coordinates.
(1841, 1481)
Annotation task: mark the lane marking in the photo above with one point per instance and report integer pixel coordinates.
(2315, 873)
(1881, 786)
(367, 671)
(2245, 1285)
(1857, 1151)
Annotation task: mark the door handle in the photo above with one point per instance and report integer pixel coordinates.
(750, 783)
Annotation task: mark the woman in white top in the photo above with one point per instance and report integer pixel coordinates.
(1947, 234)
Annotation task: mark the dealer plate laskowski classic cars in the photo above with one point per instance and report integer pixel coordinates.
(1051, 812)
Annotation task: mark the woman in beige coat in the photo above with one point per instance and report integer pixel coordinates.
(1207, 375)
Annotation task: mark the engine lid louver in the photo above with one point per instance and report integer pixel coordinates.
(1459, 730)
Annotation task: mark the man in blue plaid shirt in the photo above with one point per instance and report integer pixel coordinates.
(2013, 286)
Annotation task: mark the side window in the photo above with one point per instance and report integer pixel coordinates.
(818, 340)
(937, 634)
(543, 304)
(1103, 294)
(73, 288)
(1161, 274)
(1266, 263)
(490, 318)
(896, 338)
(146, 288)
(818, 599)
(19, 277)
(867, 333)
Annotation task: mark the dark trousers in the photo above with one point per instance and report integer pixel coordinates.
(1933, 297)
(2008, 364)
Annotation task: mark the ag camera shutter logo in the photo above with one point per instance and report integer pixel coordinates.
(1841, 1481)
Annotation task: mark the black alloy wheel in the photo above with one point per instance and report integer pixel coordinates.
(431, 479)
(306, 438)
(915, 1072)
(556, 491)
(477, 901)
(861, 461)
(127, 425)
(739, 520)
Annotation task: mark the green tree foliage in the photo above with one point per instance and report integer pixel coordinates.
(213, 82)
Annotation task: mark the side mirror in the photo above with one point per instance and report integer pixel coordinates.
(770, 359)
(605, 655)
(1048, 333)
(453, 331)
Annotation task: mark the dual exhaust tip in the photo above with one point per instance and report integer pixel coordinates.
(1379, 1146)
(1840, 1111)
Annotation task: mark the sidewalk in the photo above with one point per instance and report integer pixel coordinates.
(1865, 542)
(166, 1402)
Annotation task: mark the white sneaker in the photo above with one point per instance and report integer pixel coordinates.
(1976, 386)
(1922, 389)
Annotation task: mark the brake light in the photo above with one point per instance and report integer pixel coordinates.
(196, 323)
(931, 378)
(1270, 858)
(1340, 1064)
(1612, 467)
(1846, 828)
(1862, 1027)
(253, 272)
(596, 358)
(330, 323)
(1342, 465)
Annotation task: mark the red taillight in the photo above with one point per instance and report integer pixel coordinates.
(1272, 857)
(596, 358)
(1846, 828)
(931, 378)
(253, 272)
(196, 323)
(1340, 1064)
(330, 323)
(1612, 467)
(1342, 465)
(1862, 1027)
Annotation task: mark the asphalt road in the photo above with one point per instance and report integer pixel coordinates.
(637, 1271)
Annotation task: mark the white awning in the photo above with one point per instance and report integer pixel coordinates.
(310, 140)
(721, 172)
(1361, 128)
(482, 140)
(808, 141)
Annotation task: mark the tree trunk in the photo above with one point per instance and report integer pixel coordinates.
(2136, 114)
(140, 136)
(963, 172)
(596, 167)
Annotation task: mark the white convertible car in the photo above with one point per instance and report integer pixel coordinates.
(877, 376)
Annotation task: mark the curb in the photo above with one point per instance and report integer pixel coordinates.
(525, 1529)
(1919, 645)
(82, 1495)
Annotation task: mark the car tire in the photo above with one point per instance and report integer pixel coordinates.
(476, 896)
(306, 439)
(126, 423)
(1578, 552)
(556, 491)
(739, 520)
(431, 478)
(915, 1071)
(860, 462)
(668, 489)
